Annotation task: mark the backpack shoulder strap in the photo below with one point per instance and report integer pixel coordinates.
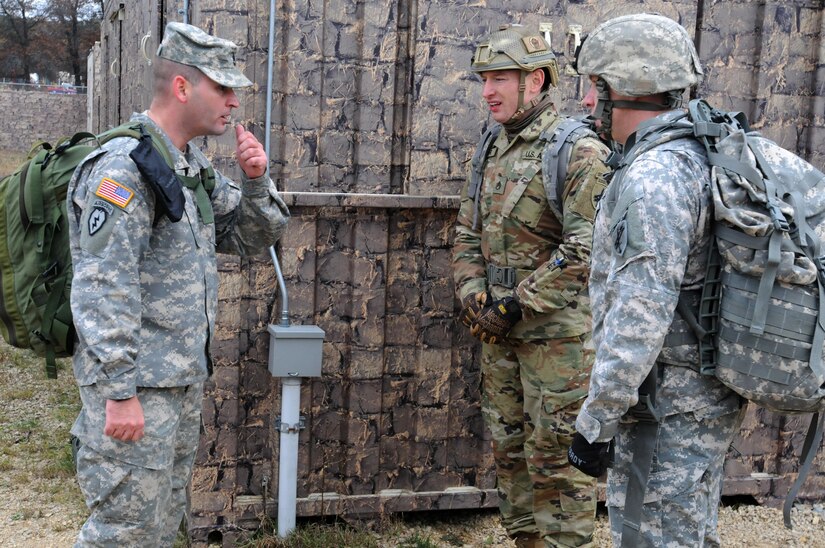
(813, 438)
(477, 166)
(555, 158)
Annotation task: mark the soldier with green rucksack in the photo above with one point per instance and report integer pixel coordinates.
(109, 256)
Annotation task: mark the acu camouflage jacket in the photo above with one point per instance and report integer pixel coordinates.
(144, 298)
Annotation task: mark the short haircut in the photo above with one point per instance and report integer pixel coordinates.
(165, 70)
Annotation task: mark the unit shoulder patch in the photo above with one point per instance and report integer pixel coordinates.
(97, 224)
(114, 192)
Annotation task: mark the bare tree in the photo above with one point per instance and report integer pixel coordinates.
(78, 23)
(20, 18)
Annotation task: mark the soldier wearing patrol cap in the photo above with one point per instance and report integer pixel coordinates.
(520, 267)
(144, 290)
(671, 425)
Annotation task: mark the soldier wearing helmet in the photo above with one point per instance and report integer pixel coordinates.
(520, 268)
(669, 424)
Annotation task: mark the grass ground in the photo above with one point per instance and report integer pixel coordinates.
(9, 161)
(41, 504)
(37, 484)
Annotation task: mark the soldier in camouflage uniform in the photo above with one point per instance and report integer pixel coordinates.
(651, 239)
(145, 291)
(521, 273)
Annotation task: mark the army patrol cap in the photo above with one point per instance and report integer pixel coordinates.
(641, 54)
(515, 47)
(214, 56)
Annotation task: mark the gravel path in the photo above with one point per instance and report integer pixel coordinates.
(743, 526)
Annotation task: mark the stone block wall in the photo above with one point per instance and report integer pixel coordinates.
(31, 116)
(374, 118)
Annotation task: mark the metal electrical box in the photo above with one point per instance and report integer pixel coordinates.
(295, 350)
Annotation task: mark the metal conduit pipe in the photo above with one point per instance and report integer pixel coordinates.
(290, 387)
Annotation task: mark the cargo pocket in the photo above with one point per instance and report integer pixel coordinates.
(665, 484)
(570, 505)
(557, 422)
(105, 485)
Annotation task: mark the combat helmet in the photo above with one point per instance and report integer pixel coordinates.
(517, 47)
(639, 55)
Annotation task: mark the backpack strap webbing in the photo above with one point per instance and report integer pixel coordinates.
(202, 185)
(477, 165)
(809, 449)
(555, 158)
(647, 415)
(57, 323)
(198, 186)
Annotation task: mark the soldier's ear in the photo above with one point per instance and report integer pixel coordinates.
(181, 88)
(536, 78)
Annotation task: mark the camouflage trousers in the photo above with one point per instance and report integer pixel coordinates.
(136, 491)
(532, 392)
(681, 501)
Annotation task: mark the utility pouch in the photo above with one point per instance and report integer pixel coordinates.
(162, 178)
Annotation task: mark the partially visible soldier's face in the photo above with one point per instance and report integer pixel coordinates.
(591, 98)
(212, 105)
(624, 121)
(500, 91)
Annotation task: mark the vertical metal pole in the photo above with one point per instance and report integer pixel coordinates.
(281, 288)
(269, 62)
(267, 148)
(288, 454)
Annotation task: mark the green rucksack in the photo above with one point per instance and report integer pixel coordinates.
(35, 259)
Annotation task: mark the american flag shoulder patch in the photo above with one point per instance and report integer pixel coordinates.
(114, 192)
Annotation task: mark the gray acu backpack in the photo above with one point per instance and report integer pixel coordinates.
(760, 321)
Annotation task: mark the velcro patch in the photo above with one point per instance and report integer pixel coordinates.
(533, 44)
(114, 192)
(96, 220)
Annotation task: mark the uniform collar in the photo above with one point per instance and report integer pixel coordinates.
(532, 131)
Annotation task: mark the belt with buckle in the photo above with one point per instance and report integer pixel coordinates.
(504, 276)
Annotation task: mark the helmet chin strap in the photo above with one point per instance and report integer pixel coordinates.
(605, 106)
(522, 108)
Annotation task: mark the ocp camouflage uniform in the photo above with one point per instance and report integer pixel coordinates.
(650, 245)
(533, 382)
(144, 300)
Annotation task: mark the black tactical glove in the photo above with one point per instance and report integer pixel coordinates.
(496, 320)
(591, 458)
(472, 305)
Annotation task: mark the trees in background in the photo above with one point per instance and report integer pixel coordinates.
(47, 37)
(20, 20)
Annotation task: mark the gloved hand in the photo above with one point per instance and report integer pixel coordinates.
(591, 458)
(496, 320)
(472, 305)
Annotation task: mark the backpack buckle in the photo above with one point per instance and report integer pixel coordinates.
(778, 218)
(51, 272)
